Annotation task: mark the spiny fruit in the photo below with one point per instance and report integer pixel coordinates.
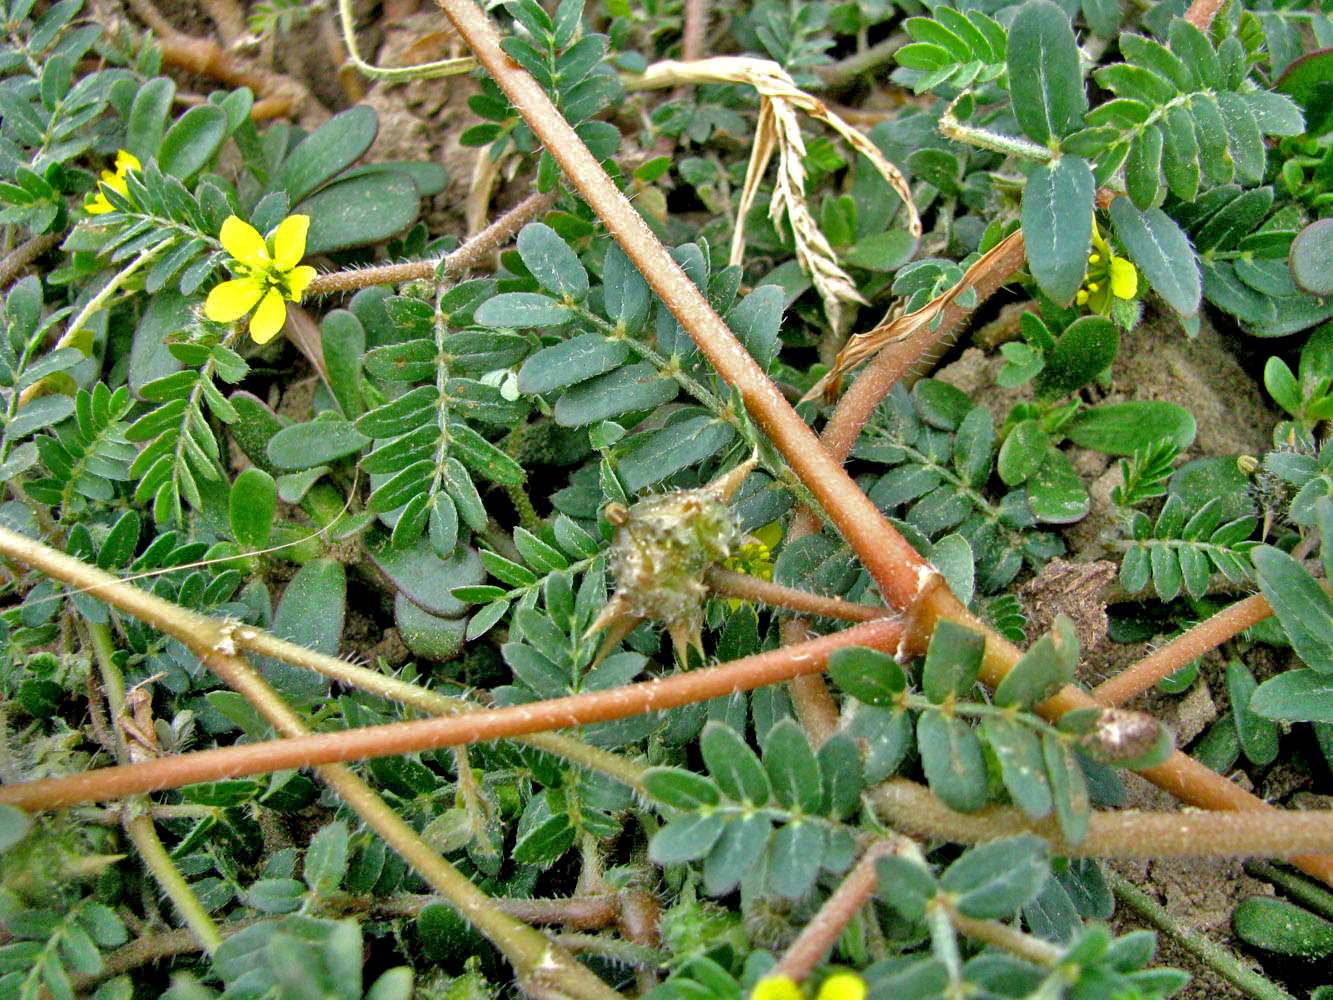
(664, 545)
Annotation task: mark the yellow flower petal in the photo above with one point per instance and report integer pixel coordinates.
(243, 242)
(1124, 278)
(777, 988)
(98, 205)
(299, 280)
(126, 161)
(231, 300)
(843, 986)
(269, 318)
(289, 241)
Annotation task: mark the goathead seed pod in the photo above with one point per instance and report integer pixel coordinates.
(664, 545)
(1122, 734)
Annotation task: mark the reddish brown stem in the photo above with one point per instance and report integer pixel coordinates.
(750, 588)
(822, 932)
(1210, 634)
(912, 809)
(423, 734)
(893, 564)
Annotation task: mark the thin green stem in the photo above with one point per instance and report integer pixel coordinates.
(1299, 888)
(1214, 956)
(1006, 145)
(397, 74)
(137, 823)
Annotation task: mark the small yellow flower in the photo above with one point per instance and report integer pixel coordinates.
(266, 273)
(777, 988)
(1109, 277)
(98, 204)
(843, 986)
(838, 986)
(755, 556)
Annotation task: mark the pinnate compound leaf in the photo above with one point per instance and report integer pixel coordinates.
(1057, 221)
(995, 880)
(1301, 605)
(1044, 77)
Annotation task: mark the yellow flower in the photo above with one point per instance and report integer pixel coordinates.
(838, 986)
(755, 556)
(266, 273)
(98, 204)
(1109, 277)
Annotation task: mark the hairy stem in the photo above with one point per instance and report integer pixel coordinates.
(466, 257)
(301, 750)
(135, 819)
(1217, 958)
(1126, 834)
(741, 586)
(23, 255)
(1207, 635)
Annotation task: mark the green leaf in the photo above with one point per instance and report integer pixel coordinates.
(570, 362)
(1143, 167)
(906, 885)
(319, 442)
(276, 895)
(148, 117)
(192, 142)
(254, 500)
(1302, 606)
(1024, 449)
(326, 859)
(1055, 492)
(953, 760)
(791, 858)
(685, 839)
(1258, 736)
(1045, 82)
(522, 310)
(681, 789)
(625, 390)
(867, 675)
(555, 266)
(973, 447)
(1162, 251)
(359, 211)
(793, 769)
(482, 457)
(1311, 258)
(428, 636)
(1022, 767)
(737, 851)
(1276, 925)
(336, 144)
(1043, 670)
(310, 614)
(733, 765)
(1295, 696)
(994, 881)
(1057, 219)
(1124, 428)
(1069, 789)
(662, 453)
(755, 321)
(840, 768)
(14, 826)
(425, 578)
(1084, 351)
(953, 660)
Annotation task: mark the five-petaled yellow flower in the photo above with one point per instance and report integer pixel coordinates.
(1109, 277)
(125, 162)
(838, 986)
(266, 273)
